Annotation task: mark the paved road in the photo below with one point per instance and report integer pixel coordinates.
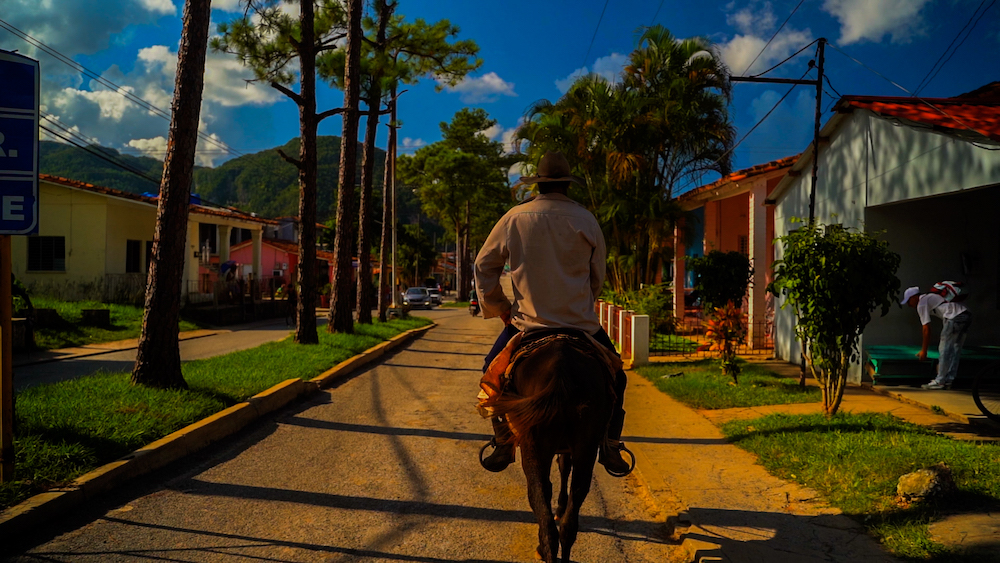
(380, 468)
(238, 337)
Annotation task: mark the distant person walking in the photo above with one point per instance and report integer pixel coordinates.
(957, 319)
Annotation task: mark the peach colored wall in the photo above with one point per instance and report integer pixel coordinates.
(733, 222)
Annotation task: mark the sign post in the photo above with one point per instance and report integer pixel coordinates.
(18, 213)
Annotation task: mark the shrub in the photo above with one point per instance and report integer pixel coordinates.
(721, 277)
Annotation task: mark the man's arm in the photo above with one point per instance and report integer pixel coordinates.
(925, 331)
(489, 266)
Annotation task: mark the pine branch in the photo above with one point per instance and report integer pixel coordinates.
(293, 161)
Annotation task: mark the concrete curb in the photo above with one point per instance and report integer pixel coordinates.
(28, 515)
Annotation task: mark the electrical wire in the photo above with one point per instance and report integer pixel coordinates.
(922, 100)
(793, 55)
(593, 37)
(761, 120)
(128, 95)
(651, 23)
(830, 84)
(925, 80)
(959, 46)
(782, 26)
(88, 145)
(96, 153)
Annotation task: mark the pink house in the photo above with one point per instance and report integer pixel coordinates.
(729, 215)
(279, 259)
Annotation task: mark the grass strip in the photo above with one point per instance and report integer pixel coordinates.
(672, 343)
(455, 304)
(126, 323)
(855, 461)
(66, 429)
(702, 385)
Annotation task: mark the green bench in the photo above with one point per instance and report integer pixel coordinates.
(898, 364)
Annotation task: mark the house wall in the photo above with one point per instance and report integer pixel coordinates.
(126, 221)
(80, 218)
(870, 162)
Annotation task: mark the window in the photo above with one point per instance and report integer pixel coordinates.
(47, 254)
(133, 263)
(207, 232)
(745, 245)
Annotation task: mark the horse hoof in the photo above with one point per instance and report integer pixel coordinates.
(631, 464)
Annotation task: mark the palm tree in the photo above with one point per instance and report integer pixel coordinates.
(637, 140)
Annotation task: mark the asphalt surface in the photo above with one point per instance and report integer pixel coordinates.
(238, 337)
(381, 468)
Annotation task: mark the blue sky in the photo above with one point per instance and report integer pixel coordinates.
(530, 49)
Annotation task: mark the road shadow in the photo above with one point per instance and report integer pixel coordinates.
(384, 430)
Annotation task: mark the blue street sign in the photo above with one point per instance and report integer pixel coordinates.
(19, 77)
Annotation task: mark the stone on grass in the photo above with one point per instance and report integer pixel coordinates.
(931, 483)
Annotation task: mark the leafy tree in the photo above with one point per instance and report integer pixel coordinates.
(462, 181)
(721, 278)
(416, 254)
(158, 360)
(269, 41)
(395, 52)
(834, 278)
(637, 140)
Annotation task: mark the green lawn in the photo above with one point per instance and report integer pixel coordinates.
(703, 386)
(126, 322)
(855, 460)
(69, 428)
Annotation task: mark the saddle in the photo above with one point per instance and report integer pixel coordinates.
(496, 380)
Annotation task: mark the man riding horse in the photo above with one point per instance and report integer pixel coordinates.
(556, 253)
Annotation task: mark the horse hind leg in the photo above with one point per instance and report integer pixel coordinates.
(565, 463)
(569, 523)
(536, 469)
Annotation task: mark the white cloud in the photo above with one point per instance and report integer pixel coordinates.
(871, 20)
(155, 147)
(227, 5)
(610, 67)
(486, 88)
(756, 24)
(409, 143)
(164, 7)
(493, 132)
(224, 78)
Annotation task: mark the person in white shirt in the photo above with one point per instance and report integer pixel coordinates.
(557, 257)
(957, 320)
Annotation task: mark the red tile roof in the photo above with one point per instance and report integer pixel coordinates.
(230, 212)
(755, 170)
(977, 111)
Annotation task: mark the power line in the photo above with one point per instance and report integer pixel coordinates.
(593, 37)
(790, 57)
(653, 22)
(96, 153)
(782, 26)
(922, 100)
(88, 145)
(957, 47)
(930, 71)
(128, 95)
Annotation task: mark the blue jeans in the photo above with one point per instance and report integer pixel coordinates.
(950, 348)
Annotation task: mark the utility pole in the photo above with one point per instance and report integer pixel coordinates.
(818, 83)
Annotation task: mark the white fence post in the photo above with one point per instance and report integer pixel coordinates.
(640, 340)
(621, 328)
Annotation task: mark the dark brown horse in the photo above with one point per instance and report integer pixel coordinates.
(560, 405)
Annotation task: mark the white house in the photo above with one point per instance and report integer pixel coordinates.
(926, 173)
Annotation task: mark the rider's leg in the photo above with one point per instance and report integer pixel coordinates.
(508, 332)
(503, 439)
(610, 455)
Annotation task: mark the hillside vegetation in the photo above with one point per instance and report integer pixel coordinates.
(261, 182)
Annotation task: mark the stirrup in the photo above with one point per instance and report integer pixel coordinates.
(620, 448)
(482, 458)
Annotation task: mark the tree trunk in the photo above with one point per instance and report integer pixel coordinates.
(384, 295)
(305, 329)
(466, 255)
(367, 168)
(158, 361)
(461, 293)
(340, 318)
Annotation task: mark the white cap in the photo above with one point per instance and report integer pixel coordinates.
(910, 292)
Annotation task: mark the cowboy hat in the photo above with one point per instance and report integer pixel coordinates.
(553, 167)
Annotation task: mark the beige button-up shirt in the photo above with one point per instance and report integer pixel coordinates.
(556, 253)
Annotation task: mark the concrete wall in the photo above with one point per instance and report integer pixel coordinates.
(871, 162)
(127, 220)
(80, 218)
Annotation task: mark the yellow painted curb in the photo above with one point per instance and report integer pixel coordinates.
(33, 512)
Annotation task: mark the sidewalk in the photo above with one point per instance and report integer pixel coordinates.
(45, 356)
(728, 507)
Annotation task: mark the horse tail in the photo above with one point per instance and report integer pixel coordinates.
(524, 414)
